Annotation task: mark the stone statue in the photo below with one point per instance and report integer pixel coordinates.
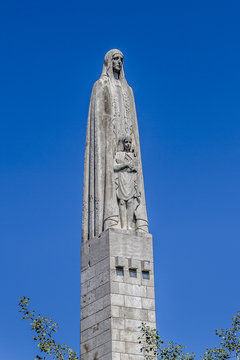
(126, 168)
(113, 194)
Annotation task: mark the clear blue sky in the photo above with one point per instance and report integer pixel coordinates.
(182, 60)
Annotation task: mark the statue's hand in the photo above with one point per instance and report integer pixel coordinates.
(132, 166)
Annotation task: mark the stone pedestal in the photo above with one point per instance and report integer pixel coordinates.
(117, 294)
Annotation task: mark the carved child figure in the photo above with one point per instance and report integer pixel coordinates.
(125, 168)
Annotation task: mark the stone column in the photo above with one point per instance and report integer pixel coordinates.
(117, 294)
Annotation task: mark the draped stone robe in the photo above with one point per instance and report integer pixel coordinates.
(112, 115)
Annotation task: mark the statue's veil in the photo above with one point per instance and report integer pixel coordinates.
(107, 65)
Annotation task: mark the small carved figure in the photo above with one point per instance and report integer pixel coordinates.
(125, 168)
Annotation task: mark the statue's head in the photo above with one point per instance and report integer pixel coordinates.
(127, 143)
(117, 62)
(113, 61)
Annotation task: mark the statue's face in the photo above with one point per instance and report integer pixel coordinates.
(127, 144)
(117, 62)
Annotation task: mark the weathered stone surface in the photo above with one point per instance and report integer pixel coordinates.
(113, 306)
(113, 194)
(133, 264)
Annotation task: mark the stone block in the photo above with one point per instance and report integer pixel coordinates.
(102, 266)
(118, 346)
(136, 357)
(151, 316)
(87, 274)
(115, 311)
(84, 336)
(132, 289)
(99, 328)
(95, 319)
(132, 348)
(150, 292)
(120, 261)
(102, 291)
(134, 314)
(117, 299)
(116, 356)
(103, 314)
(115, 287)
(98, 248)
(98, 280)
(132, 325)
(103, 349)
(88, 346)
(87, 322)
(95, 306)
(132, 336)
(133, 263)
(124, 357)
(103, 337)
(117, 323)
(130, 245)
(116, 334)
(105, 357)
(88, 298)
(148, 282)
(146, 265)
(133, 301)
(148, 304)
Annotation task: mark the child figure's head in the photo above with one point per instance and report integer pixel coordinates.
(127, 143)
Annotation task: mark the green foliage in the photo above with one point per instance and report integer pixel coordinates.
(230, 342)
(153, 347)
(44, 329)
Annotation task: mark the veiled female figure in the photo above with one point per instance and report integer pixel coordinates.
(112, 117)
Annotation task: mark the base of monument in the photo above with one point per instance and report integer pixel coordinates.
(117, 294)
